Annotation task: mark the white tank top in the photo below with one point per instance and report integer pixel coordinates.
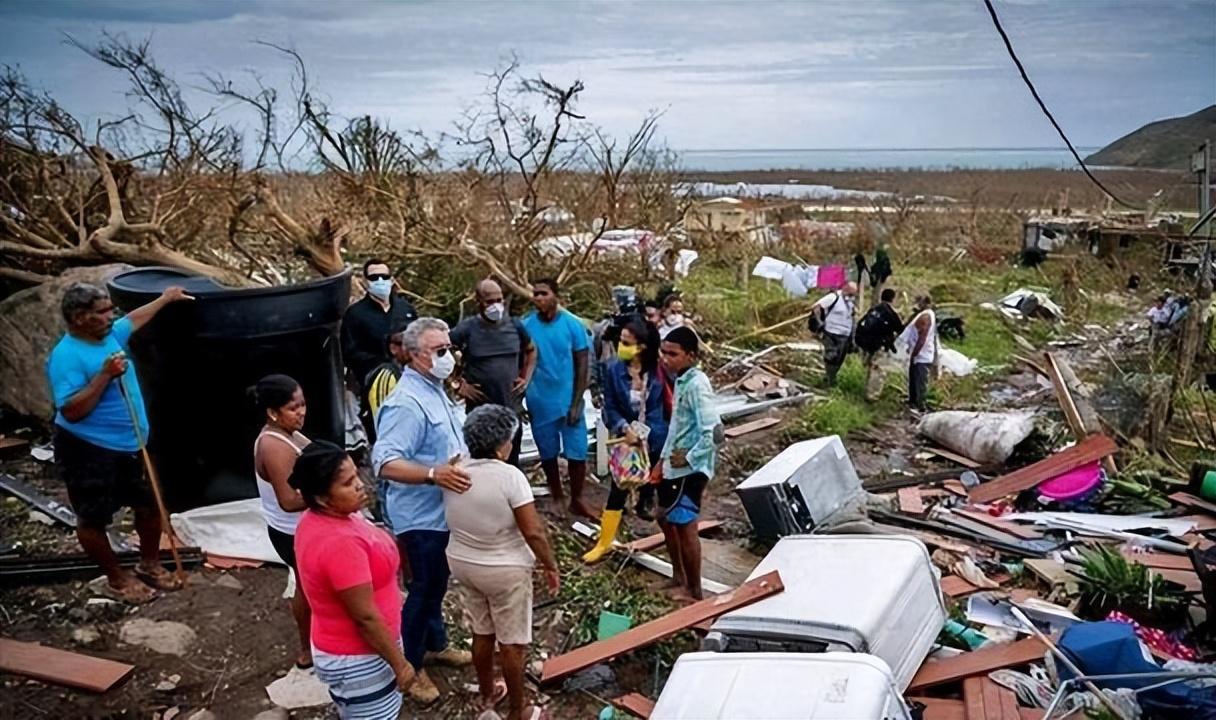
(928, 351)
(276, 516)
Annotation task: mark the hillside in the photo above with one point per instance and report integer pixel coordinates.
(1162, 144)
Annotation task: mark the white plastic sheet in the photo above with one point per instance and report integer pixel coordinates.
(987, 438)
(234, 529)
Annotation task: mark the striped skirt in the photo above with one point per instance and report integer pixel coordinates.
(363, 687)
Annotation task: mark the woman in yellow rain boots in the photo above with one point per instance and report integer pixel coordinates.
(633, 392)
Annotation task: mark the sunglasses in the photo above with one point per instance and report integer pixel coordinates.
(380, 276)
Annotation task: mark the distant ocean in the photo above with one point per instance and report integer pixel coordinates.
(879, 159)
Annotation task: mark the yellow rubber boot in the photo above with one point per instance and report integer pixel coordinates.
(610, 521)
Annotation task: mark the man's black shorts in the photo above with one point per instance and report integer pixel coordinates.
(99, 481)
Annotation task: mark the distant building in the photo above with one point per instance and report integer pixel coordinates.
(727, 217)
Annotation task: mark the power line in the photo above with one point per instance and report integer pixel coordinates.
(1043, 106)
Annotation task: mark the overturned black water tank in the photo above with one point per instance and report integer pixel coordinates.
(196, 360)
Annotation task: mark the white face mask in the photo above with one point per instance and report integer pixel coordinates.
(380, 288)
(675, 319)
(495, 312)
(442, 365)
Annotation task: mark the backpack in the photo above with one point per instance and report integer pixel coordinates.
(870, 334)
(815, 322)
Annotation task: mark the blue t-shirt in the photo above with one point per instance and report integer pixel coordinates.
(552, 385)
(69, 368)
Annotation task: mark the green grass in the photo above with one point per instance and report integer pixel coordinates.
(845, 408)
(726, 311)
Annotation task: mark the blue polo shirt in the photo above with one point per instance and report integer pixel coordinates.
(72, 364)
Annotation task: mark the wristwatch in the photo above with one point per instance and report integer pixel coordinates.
(430, 476)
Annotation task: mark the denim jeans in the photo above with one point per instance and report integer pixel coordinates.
(422, 628)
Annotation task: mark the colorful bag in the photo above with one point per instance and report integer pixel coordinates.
(629, 465)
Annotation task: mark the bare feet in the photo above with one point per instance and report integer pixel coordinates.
(578, 507)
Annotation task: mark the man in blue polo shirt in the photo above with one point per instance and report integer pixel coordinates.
(96, 443)
(555, 395)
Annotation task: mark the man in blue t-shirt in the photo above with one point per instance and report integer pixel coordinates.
(555, 395)
(97, 445)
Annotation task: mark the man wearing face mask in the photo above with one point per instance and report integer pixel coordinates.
(369, 321)
(496, 354)
(417, 456)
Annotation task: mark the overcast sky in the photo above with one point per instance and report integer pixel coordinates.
(811, 74)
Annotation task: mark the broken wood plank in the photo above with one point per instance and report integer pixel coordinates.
(928, 538)
(1072, 414)
(1025, 532)
(1091, 448)
(910, 501)
(661, 628)
(650, 562)
(753, 426)
(955, 487)
(61, 667)
(635, 704)
(1162, 561)
(941, 708)
(1193, 502)
(978, 662)
(650, 542)
(955, 457)
(1203, 523)
(955, 586)
(985, 700)
(1188, 579)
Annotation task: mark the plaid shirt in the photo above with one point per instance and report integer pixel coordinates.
(692, 426)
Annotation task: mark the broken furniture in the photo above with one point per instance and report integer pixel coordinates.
(780, 686)
(800, 488)
(754, 590)
(873, 594)
(61, 667)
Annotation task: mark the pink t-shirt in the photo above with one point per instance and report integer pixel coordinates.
(335, 554)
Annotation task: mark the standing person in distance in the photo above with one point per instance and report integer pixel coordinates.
(633, 391)
(877, 331)
(97, 450)
(689, 457)
(924, 349)
(417, 457)
(497, 357)
(280, 400)
(366, 324)
(555, 396)
(673, 315)
(381, 381)
(348, 570)
(834, 313)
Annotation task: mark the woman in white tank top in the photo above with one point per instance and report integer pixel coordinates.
(275, 450)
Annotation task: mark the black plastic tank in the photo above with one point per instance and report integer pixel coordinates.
(196, 360)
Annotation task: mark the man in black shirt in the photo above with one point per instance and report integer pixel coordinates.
(497, 357)
(368, 322)
(877, 331)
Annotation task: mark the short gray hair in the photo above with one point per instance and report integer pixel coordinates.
(487, 428)
(78, 298)
(412, 337)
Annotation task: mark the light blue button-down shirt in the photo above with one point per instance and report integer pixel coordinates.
(693, 420)
(419, 424)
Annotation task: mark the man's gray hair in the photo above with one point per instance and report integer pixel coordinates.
(78, 298)
(412, 337)
(487, 428)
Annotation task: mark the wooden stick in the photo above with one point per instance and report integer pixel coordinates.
(781, 324)
(166, 526)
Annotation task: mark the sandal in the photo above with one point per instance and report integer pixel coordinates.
(500, 694)
(134, 593)
(159, 578)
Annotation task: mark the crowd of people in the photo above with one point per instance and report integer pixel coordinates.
(445, 408)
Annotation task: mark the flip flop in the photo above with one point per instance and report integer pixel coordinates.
(159, 579)
(133, 594)
(500, 692)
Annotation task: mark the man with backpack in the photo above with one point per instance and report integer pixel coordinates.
(877, 331)
(832, 319)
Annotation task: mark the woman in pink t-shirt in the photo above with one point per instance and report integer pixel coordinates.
(348, 571)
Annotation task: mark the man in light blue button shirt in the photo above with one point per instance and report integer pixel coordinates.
(419, 440)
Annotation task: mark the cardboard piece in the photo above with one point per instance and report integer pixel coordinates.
(1091, 448)
(61, 667)
(978, 662)
(557, 668)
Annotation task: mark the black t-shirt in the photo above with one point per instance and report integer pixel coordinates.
(365, 329)
(490, 355)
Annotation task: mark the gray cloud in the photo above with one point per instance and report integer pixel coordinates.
(877, 73)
